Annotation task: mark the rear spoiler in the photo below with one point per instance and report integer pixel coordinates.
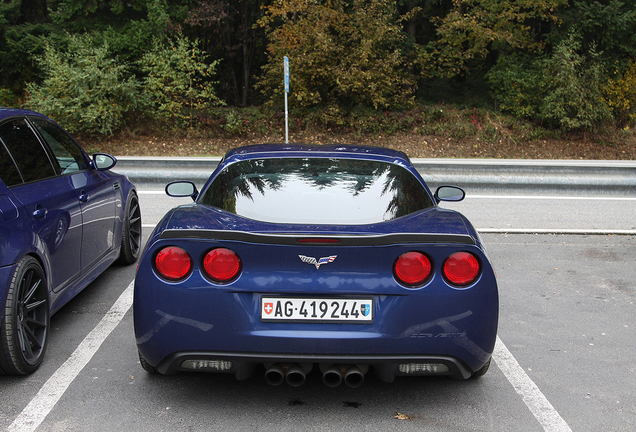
(319, 239)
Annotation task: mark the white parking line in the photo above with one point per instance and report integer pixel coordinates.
(55, 387)
(539, 406)
(574, 231)
(51, 392)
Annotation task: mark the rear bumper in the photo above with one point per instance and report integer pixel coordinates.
(243, 365)
(435, 322)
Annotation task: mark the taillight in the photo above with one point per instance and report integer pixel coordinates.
(173, 263)
(461, 269)
(412, 268)
(221, 265)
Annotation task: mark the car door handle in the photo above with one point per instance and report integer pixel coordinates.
(83, 197)
(39, 212)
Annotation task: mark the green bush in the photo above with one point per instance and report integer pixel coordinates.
(85, 89)
(178, 82)
(514, 81)
(7, 98)
(565, 89)
(234, 123)
(571, 87)
(620, 95)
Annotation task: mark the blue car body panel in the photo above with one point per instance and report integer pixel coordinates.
(74, 241)
(197, 318)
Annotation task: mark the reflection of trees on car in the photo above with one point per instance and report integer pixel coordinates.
(56, 230)
(337, 181)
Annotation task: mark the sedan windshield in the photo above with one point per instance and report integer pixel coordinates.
(317, 191)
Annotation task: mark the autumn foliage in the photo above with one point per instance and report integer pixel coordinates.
(563, 64)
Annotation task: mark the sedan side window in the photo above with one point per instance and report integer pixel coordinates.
(66, 151)
(28, 154)
(8, 171)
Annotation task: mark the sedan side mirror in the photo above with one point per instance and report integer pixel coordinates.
(182, 188)
(449, 193)
(103, 161)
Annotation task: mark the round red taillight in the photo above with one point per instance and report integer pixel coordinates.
(221, 265)
(461, 268)
(173, 263)
(412, 268)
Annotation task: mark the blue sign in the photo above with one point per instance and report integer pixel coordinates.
(286, 70)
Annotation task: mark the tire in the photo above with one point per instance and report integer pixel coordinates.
(131, 231)
(25, 326)
(146, 366)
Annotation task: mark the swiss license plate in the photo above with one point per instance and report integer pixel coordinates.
(355, 310)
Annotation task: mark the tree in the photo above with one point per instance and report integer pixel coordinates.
(27, 26)
(85, 88)
(177, 81)
(608, 25)
(475, 29)
(564, 89)
(340, 58)
(620, 94)
(571, 87)
(128, 28)
(24, 29)
(228, 32)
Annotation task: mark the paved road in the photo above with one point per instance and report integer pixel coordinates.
(565, 359)
(529, 214)
(532, 214)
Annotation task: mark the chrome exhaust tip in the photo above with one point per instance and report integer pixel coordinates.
(354, 377)
(274, 375)
(295, 376)
(332, 377)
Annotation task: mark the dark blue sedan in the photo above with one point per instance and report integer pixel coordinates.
(64, 218)
(332, 258)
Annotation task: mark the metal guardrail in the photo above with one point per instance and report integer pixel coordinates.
(541, 177)
(476, 176)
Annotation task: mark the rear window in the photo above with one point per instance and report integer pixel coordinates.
(28, 154)
(317, 191)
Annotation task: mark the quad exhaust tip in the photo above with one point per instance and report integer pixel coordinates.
(295, 374)
(354, 377)
(274, 375)
(332, 377)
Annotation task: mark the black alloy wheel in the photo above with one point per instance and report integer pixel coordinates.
(25, 326)
(131, 231)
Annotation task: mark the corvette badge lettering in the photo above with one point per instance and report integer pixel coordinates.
(318, 263)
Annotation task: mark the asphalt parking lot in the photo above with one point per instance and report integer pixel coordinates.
(564, 360)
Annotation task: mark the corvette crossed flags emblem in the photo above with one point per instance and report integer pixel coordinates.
(317, 263)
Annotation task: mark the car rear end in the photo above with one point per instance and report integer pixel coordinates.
(217, 291)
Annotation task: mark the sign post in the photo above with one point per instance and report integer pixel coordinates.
(286, 72)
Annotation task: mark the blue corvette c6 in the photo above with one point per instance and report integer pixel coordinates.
(331, 258)
(64, 218)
